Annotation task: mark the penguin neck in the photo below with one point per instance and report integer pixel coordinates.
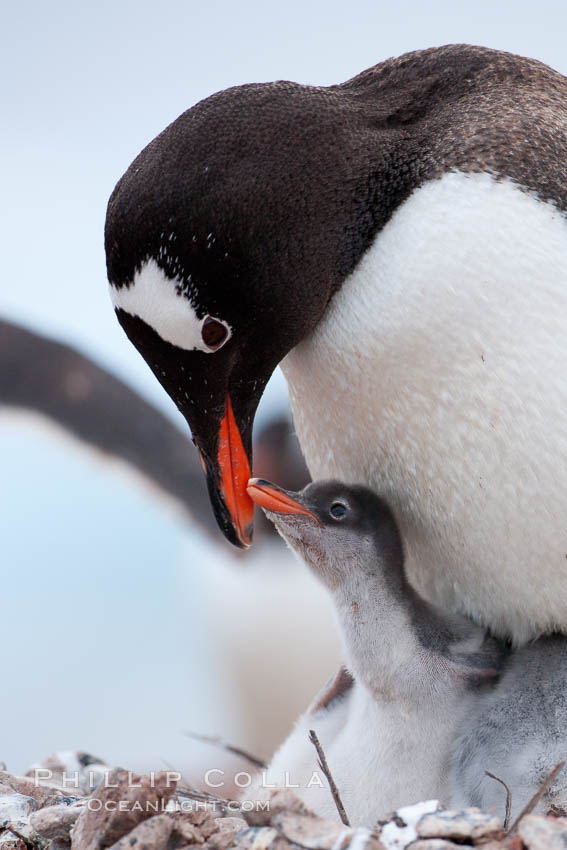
(396, 643)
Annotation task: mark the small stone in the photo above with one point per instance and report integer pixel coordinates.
(280, 800)
(368, 840)
(221, 840)
(314, 833)
(188, 847)
(231, 823)
(514, 843)
(26, 786)
(24, 831)
(186, 829)
(541, 833)
(209, 826)
(194, 814)
(9, 841)
(55, 822)
(227, 830)
(437, 844)
(468, 824)
(122, 802)
(16, 807)
(261, 838)
(399, 828)
(6, 790)
(151, 834)
(311, 831)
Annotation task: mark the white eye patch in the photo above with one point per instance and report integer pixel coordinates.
(152, 297)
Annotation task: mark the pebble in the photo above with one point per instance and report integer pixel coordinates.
(468, 824)
(311, 832)
(23, 830)
(437, 844)
(280, 800)
(118, 806)
(197, 815)
(26, 786)
(231, 823)
(541, 833)
(15, 807)
(55, 822)
(227, 831)
(209, 827)
(185, 828)
(260, 838)
(9, 841)
(399, 829)
(151, 834)
(315, 833)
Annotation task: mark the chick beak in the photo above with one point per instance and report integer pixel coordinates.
(274, 499)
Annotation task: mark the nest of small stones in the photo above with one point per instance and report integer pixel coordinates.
(154, 812)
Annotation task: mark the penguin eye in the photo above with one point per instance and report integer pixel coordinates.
(338, 510)
(214, 333)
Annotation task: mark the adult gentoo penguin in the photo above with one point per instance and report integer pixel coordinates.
(398, 243)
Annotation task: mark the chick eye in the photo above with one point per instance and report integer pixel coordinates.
(214, 333)
(338, 510)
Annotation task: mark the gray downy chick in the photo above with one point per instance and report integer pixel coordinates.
(518, 732)
(388, 720)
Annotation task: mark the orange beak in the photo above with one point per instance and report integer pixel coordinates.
(234, 474)
(274, 499)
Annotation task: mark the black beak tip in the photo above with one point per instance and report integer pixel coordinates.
(230, 533)
(224, 520)
(220, 510)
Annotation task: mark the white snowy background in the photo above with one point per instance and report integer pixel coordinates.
(121, 625)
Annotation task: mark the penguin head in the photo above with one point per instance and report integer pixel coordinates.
(225, 241)
(349, 537)
(343, 532)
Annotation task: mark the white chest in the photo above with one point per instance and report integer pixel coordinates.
(439, 376)
(381, 754)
